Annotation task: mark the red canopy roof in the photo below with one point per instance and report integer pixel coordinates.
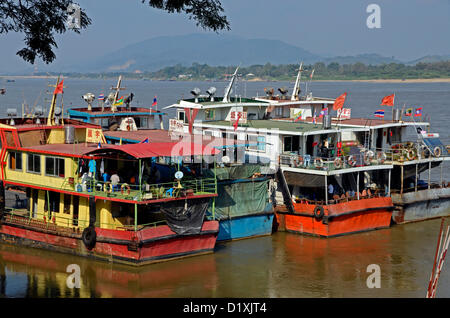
(160, 149)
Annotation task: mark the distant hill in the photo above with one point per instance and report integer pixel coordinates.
(211, 49)
(430, 59)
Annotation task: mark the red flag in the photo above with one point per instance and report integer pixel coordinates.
(236, 123)
(59, 88)
(388, 100)
(339, 102)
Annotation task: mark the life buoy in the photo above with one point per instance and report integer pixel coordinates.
(300, 160)
(89, 237)
(368, 156)
(337, 163)
(107, 187)
(318, 212)
(410, 154)
(351, 160)
(318, 162)
(125, 186)
(424, 151)
(381, 157)
(437, 151)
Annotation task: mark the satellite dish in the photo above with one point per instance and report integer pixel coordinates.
(226, 159)
(211, 91)
(179, 175)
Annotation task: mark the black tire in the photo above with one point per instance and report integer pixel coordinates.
(89, 237)
(318, 212)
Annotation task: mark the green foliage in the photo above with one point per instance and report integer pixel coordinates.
(288, 72)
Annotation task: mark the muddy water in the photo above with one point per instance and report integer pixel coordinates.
(281, 265)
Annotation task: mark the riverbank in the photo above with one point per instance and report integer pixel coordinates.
(257, 79)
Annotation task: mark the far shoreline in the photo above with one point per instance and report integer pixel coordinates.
(412, 80)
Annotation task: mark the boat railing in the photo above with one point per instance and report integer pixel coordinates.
(144, 192)
(345, 197)
(64, 223)
(366, 158)
(408, 151)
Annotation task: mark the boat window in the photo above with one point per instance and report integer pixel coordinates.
(257, 143)
(291, 144)
(210, 114)
(54, 167)
(144, 122)
(34, 163)
(182, 116)
(279, 111)
(15, 160)
(9, 139)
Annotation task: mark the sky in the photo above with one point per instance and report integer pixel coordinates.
(409, 29)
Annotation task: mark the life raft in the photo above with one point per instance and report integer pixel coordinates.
(368, 156)
(381, 157)
(318, 162)
(125, 187)
(351, 160)
(337, 163)
(437, 151)
(107, 187)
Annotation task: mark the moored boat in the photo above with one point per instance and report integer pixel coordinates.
(116, 203)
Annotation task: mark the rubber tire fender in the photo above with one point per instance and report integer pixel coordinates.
(318, 212)
(89, 237)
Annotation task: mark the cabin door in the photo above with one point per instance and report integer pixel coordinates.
(75, 203)
(34, 207)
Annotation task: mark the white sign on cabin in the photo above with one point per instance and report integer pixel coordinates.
(176, 125)
(344, 113)
(242, 120)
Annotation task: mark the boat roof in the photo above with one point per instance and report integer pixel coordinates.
(206, 103)
(160, 135)
(66, 150)
(158, 149)
(369, 122)
(298, 128)
(121, 111)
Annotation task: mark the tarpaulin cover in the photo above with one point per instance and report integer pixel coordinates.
(160, 149)
(241, 198)
(233, 172)
(185, 219)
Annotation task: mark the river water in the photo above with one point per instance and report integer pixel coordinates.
(280, 265)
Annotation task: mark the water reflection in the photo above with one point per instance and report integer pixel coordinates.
(281, 265)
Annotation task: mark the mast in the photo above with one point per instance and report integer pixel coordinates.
(226, 96)
(51, 113)
(116, 95)
(296, 90)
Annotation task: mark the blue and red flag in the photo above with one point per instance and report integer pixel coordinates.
(155, 102)
(323, 112)
(101, 97)
(418, 112)
(99, 145)
(379, 113)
